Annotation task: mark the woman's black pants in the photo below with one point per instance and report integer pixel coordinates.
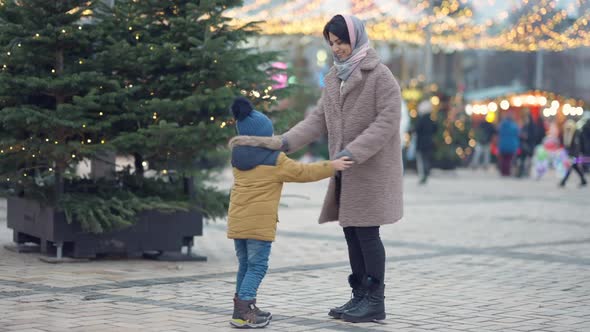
(365, 252)
(365, 249)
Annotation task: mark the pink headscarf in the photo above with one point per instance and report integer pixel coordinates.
(359, 42)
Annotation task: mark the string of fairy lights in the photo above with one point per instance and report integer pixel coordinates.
(453, 24)
(550, 105)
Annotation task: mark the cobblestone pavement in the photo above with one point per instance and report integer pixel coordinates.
(473, 253)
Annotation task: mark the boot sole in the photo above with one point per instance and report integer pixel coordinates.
(335, 314)
(368, 319)
(245, 325)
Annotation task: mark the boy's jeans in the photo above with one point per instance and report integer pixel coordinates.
(253, 260)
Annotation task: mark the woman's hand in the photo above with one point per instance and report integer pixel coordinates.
(342, 164)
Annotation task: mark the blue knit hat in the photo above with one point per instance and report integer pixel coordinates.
(249, 121)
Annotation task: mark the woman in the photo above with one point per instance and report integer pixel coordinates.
(573, 145)
(359, 111)
(508, 142)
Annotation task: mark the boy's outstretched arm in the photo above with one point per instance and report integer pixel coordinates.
(293, 171)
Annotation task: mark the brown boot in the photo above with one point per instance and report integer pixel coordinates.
(261, 312)
(245, 317)
(256, 309)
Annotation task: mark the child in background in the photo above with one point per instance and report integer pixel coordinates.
(259, 175)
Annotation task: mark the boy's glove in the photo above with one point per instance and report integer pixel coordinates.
(272, 143)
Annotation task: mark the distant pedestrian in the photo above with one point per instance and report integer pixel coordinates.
(508, 143)
(259, 174)
(572, 142)
(583, 126)
(528, 138)
(484, 134)
(425, 131)
(540, 130)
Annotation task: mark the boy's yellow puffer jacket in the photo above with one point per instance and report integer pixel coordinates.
(258, 180)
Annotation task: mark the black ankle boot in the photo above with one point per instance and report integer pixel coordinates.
(372, 306)
(358, 293)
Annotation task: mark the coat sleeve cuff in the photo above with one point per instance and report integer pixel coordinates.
(344, 153)
(284, 144)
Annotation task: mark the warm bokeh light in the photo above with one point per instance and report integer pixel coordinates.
(452, 26)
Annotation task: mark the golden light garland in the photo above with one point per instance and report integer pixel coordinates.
(550, 105)
(451, 25)
(541, 26)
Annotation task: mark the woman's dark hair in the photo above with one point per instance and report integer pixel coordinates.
(337, 26)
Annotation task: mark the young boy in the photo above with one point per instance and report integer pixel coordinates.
(259, 175)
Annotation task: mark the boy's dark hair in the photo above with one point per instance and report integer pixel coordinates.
(337, 26)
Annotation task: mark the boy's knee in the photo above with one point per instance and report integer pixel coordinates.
(258, 266)
(243, 264)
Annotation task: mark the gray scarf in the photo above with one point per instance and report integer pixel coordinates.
(359, 41)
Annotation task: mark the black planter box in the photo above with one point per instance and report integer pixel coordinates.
(153, 231)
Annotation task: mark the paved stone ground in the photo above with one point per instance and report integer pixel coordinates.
(473, 253)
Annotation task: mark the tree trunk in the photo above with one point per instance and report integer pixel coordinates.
(138, 164)
(59, 186)
(189, 186)
(59, 68)
(60, 165)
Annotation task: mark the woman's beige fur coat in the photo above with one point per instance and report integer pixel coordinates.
(361, 116)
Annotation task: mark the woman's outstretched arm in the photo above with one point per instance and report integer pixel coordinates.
(306, 131)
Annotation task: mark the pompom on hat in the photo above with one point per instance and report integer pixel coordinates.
(249, 121)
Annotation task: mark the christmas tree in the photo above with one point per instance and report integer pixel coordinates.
(452, 139)
(149, 79)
